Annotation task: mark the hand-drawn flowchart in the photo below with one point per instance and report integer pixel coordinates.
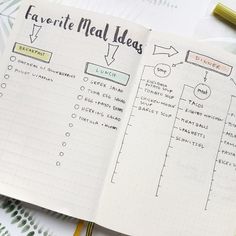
(186, 132)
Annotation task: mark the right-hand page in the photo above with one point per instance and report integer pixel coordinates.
(174, 172)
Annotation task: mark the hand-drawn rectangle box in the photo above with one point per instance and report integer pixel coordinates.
(208, 63)
(107, 73)
(32, 52)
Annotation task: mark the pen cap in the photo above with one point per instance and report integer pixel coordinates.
(225, 12)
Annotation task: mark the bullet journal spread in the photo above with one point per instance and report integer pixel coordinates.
(106, 120)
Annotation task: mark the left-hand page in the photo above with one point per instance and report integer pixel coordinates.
(65, 79)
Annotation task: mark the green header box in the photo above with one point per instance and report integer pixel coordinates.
(107, 73)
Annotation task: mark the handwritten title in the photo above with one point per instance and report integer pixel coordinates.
(86, 27)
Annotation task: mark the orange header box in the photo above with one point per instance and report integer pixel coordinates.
(208, 63)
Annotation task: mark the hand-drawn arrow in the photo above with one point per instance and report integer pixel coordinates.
(176, 64)
(35, 31)
(170, 51)
(233, 81)
(109, 57)
(205, 78)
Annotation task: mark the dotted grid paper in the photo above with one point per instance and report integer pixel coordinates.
(62, 96)
(175, 163)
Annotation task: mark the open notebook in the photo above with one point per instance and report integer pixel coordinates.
(108, 121)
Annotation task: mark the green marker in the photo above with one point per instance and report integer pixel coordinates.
(226, 13)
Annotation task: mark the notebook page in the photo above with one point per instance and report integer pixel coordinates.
(65, 79)
(174, 170)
